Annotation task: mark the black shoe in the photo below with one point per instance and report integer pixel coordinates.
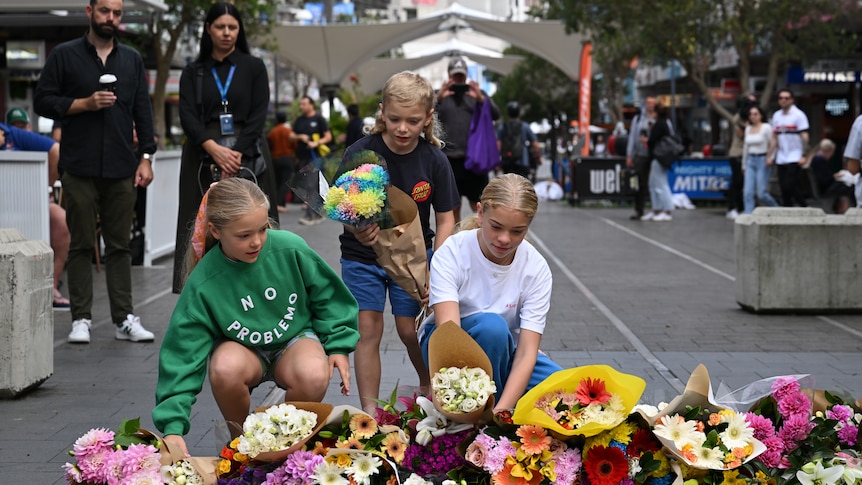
(636, 216)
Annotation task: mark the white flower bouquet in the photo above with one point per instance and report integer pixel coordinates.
(181, 473)
(270, 433)
(462, 389)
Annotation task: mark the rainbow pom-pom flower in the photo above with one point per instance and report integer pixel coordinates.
(357, 195)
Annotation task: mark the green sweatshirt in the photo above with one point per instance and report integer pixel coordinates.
(289, 289)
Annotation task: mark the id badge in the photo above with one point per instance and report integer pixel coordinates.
(226, 123)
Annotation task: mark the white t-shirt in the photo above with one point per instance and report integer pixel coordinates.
(519, 292)
(854, 150)
(756, 143)
(788, 129)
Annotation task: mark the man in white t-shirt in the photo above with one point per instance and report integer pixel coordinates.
(852, 155)
(790, 143)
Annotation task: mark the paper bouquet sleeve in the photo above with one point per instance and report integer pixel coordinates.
(628, 387)
(400, 249)
(451, 346)
(697, 393)
(204, 466)
(322, 410)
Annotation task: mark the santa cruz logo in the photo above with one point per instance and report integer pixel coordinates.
(421, 191)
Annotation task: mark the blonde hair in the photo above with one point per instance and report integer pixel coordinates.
(410, 89)
(509, 190)
(227, 201)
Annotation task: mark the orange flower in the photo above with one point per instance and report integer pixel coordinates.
(363, 426)
(505, 477)
(534, 439)
(714, 419)
(394, 447)
(319, 449)
(352, 444)
(592, 391)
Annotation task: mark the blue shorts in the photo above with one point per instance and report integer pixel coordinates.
(368, 284)
(268, 358)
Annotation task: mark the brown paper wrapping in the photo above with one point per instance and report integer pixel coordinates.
(451, 346)
(322, 410)
(205, 466)
(401, 249)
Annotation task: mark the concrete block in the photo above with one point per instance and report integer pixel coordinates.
(27, 316)
(799, 260)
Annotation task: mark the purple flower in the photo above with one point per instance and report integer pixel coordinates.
(441, 453)
(840, 412)
(848, 435)
(567, 465)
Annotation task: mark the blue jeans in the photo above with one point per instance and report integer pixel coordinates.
(756, 183)
(659, 188)
(492, 333)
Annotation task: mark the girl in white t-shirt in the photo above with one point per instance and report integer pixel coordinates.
(493, 283)
(757, 161)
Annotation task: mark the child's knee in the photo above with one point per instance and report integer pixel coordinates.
(311, 383)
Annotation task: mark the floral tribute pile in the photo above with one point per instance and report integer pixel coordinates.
(581, 426)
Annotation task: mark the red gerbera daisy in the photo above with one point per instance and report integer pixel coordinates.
(592, 391)
(606, 466)
(642, 441)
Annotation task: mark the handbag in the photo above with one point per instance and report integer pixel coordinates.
(668, 148)
(482, 152)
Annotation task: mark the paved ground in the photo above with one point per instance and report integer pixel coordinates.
(651, 299)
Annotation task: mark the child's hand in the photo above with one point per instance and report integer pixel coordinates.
(177, 442)
(366, 236)
(342, 363)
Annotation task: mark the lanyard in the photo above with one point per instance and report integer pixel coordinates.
(222, 88)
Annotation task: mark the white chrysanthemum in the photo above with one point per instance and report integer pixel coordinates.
(329, 474)
(415, 479)
(363, 466)
(738, 433)
(634, 467)
(676, 429)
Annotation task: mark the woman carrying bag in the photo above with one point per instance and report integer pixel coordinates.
(224, 96)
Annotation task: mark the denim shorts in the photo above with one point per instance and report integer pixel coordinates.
(268, 358)
(368, 284)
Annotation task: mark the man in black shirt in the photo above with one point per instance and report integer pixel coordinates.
(308, 146)
(97, 157)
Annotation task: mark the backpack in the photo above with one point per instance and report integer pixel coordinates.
(512, 143)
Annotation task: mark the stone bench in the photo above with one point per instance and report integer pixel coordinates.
(799, 260)
(27, 316)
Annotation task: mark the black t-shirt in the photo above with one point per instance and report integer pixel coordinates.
(308, 126)
(424, 174)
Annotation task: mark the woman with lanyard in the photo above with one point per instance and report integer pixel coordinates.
(224, 92)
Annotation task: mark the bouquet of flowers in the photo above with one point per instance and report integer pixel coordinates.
(356, 191)
(462, 388)
(580, 401)
(809, 435)
(525, 454)
(132, 455)
(627, 453)
(277, 428)
(357, 196)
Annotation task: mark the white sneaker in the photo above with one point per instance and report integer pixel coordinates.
(648, 216)
(80, 333)
(131, 329)
(732, 214)
(662, 217)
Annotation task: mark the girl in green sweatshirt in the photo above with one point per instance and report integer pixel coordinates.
(260, 305)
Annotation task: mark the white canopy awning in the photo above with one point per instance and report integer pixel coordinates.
(333, 52)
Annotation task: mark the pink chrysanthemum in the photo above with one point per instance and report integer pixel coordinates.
(848, 435)
(567, 466)
(794, 404)
(72, 473)
(840, 412)
(94, 441)
(113, 469)
(140, 459)
(761, 425)
(795, 429)
(784, 386)
(497, 454)
(94, 466)
(774, 451)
